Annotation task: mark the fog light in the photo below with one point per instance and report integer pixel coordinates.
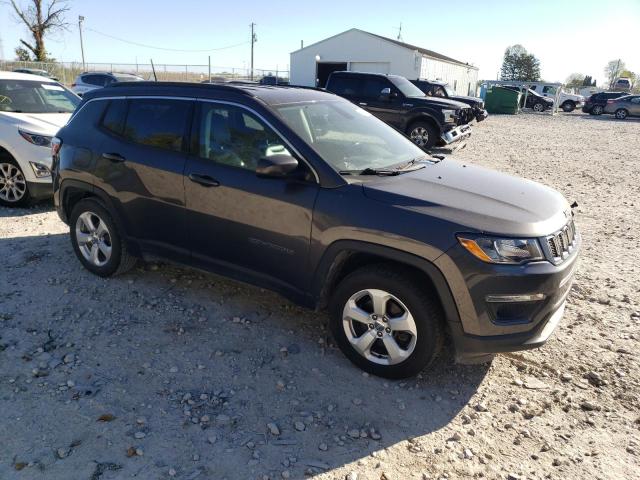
(40, 170)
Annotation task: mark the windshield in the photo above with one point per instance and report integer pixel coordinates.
(348, 137)
(27, 96)
(449, 91)
(407, 88)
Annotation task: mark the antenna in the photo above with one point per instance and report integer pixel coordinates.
(399, 37)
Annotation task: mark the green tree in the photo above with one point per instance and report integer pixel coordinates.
(575, 80)
(22, 54)
(519, 65)
(613, 70)
(589, 81)
(40, 19)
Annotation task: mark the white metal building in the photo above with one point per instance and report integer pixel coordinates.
(360, 51)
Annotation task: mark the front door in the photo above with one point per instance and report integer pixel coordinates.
(634, 106)
(388, 108)
(253, 228)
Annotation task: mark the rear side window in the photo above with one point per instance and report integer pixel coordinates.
(157, 122)
(344, 85)
(115, 115)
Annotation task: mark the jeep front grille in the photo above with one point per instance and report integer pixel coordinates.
(561, 243)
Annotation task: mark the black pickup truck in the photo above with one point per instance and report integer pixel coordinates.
(428, 121)
(440, 89)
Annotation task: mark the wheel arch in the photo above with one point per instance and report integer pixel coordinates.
(422, 117)
(345, 256)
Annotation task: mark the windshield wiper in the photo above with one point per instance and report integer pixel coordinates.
(370, 171)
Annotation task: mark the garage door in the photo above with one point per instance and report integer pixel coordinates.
(369, 67)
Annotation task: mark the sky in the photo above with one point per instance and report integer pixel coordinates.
(567, 36)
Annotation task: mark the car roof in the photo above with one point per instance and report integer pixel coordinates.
(24, 76)
(269, 94)
(355, 74)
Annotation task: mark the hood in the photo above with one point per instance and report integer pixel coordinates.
(476, 198)
(436, 101)
(43, 123)
(466, 99)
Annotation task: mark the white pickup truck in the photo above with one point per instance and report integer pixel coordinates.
(568, 102)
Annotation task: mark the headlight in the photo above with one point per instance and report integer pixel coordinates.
(40, 170)
(449, 115)
(39, 140)
(502, 250)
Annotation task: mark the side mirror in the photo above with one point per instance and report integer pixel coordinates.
(385, 92)
(276, 166)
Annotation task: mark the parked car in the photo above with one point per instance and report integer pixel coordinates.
(533, 100)
(36, 71)
(568, 101)
(273, 80)
(395, 100)
(623, 107)
(622, 84)
(32, 109)
(302, 192)
(440, 89)
(87, 81)
(595, 103)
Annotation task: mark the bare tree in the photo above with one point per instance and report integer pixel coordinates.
(613, 70)
(41, 19)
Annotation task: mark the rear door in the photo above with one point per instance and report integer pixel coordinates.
(256, 229)
(140, 166)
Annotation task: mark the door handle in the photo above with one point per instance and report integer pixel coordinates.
(114, 157)
(204, 180)
(363, 104)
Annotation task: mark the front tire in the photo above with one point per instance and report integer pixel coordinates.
(621, 114)
(423, 134)
(538, 107)
(597, 110)
(97, 241)
(384, 323)
(568, 106)
(14, 191)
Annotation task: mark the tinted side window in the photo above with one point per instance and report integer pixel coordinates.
(344, 85)
(157, 122)
(115, 115)
(89, 114)
(97, 80)
(233, 136)
(373, 86)
(548, 89)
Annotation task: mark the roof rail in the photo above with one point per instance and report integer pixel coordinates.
(204, 86)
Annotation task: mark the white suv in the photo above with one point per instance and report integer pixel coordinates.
(568, 101)
(32, 110)
(87, 81)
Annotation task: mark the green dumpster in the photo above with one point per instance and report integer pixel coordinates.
(502, 100)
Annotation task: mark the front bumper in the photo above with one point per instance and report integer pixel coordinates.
(481, 115)
(486, 326)
(456, 134)
(40, 190)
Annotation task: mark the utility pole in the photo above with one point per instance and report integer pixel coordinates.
(80, 20)
(253, 40)
(400, 32)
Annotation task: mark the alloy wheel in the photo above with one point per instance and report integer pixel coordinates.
(13, 185)
(538, 107)
(93, 238)
(597, 110)
(621, 114)
(379, 327)
(420, 136)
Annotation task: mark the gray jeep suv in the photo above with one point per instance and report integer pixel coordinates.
(305, 193)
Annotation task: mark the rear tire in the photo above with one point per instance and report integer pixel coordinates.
(14, 191)
(97, 241)
(568, 106)
(384, 323)
(423, 134)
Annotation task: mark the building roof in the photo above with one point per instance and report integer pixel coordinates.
(423, 51)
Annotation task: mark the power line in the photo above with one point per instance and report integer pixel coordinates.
(162, 48)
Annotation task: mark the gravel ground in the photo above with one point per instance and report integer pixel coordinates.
(169, 372)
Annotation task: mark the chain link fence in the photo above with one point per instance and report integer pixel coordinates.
(66, 72)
